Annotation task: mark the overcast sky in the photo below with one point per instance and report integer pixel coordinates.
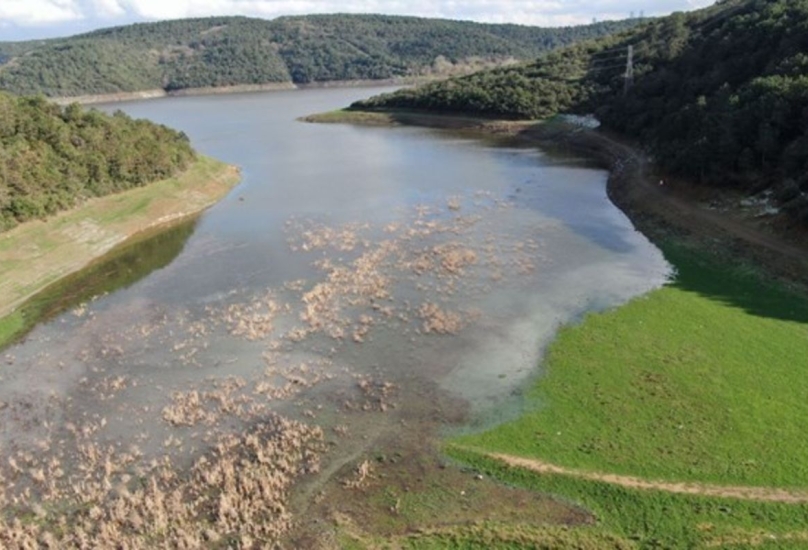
(23, 19)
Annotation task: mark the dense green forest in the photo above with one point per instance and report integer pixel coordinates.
(223, 51)
(53, 157)
(719, 95)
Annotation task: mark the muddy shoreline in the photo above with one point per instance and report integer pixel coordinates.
(667, 210)
(159, 93)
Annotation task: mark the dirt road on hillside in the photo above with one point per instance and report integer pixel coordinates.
(633, 182)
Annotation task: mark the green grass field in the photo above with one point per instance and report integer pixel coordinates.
(492, 535)
(11, 326)
(701, 381)
(345, 116)
(704, 380)
(655, 519)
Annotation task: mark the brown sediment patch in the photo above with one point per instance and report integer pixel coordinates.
(187, 410)
(439, 321)
(433, 254)
(376, 395)
(400, 482)
(108, 388)
(454, 257)
(318, 237)
(235, 398)
(361, 476)
(680, 209)
(254, 321)
(762, 494)
(235, 494)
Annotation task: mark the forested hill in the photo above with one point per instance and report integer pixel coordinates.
(52, 157)
(719, 95)
(227, 51)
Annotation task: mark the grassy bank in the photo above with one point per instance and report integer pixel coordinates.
(480, 126)
(37, 254)
(345, 116)
(657, 519)
(701, 381)
(491, 536)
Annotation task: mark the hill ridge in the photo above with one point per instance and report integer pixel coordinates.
(236, 50)
(719, 95)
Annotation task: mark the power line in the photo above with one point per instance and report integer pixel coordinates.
(619, 62)
(617, 49)
(611, 57)
(709, 21)
(607, 68)
(621, 48)
(629, 70)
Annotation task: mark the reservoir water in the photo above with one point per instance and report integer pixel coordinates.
(356, 279)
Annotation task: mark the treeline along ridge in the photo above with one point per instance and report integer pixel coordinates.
(231, 51)
(52, 157)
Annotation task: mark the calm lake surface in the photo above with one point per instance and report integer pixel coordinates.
(352, 274)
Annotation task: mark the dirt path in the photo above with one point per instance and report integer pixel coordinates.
(739, 492)
(636, 184)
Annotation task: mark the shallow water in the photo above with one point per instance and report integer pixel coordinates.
(352, 269)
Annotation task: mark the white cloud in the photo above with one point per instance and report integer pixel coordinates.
(535, 12)
(39, 12)
(106, 9)
(22, 13)
(162, 9)
(543, 12)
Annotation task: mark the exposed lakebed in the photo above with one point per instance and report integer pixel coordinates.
(358, 278)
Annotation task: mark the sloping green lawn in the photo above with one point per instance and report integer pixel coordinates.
(703, 380)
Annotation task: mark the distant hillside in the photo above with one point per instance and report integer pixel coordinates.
(52, 158)
(227, 51)
(719, 95)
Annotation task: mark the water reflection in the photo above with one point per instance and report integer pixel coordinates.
(587, 254)
(358, 280)
(120, 268)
